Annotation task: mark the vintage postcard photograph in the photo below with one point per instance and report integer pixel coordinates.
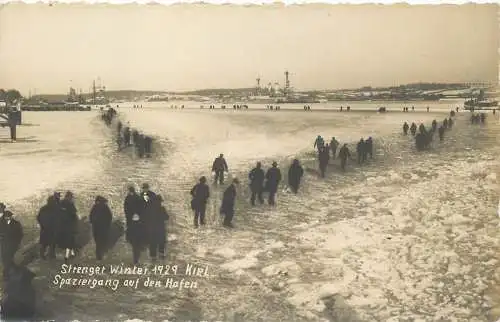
(200, 162)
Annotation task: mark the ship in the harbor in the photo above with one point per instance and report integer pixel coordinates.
(273, 93)
(481, 100)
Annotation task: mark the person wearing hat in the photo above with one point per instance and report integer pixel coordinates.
(218, 167)
(156, 229)
(69, 225)
(200, 193)
(228, 200)
(148, 197)
(100, 217)
(11, 235)
(334, 144)
(136, 232)
(256, 177)
(273, 178)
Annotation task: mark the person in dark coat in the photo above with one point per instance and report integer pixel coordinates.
(11, 235)
(445, 123)
(360, 148)
(19, 297)
(140, 146)
(69, 225)
(119, 127)
(156, 229)
(434, 125)
(148, 197)
(126, 136)
(148, 145)
(200, 193)
(441, 132)
(218, 167)
(273, 178)
(344, 153)
(295, 173)
(135, 137)
(136, 232)
(324, 158)
(450, 123)
(228, 201)
(100, 217)
(13, 127)
(413, 128)
(405, 128)
(48, 219)
(334, 144)
(256, 177)
(369, 147)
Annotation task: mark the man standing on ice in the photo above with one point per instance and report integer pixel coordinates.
(343, 155)
(334, 144)
(256, 177)
(228, 200)
(218, 167)
(200, 193)
(273, 178)
(11, 234)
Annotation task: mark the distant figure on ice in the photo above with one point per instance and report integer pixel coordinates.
(450, 123)
(324, 157)
(273, 178)
(427, 108)
(218, 167)
(413, 128)
(405, 128)
(319, 143)
(360, 148)
(100, 217)
(156, 229)
(334, 144)
(295, 173)
(344, 153)
(228, 201)
(200, 193)
(434, 125)
(69, 225)
(140, 146)
(441, 132)
(48, 220)
(369, 148)
(148, 146)
(445, 123)
(126, 136)
(136, 232)
(256, 177)
(11, 234)
(13, 128)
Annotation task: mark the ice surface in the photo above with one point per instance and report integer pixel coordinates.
(413, 236)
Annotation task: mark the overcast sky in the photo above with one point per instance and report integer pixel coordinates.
(188, 47)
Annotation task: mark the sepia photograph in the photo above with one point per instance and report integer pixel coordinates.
(202, 162)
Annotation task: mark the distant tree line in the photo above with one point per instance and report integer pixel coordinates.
(10, 96)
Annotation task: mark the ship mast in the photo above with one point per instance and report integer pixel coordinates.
(93, 92)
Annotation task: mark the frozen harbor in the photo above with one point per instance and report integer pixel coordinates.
(409, 237)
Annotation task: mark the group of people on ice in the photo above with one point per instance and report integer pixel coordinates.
(424, 137)
(126, 136)
(364, 148)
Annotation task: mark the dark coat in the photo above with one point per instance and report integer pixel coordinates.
(256, 177)
(273, 178)
(134, 205)
(68, 224)
(200, 193)
(295, 173)
(100, 217)
(156, 225)
(344, 153)
(148, 199)
(48, 219)
(11, 235)
(219, 164)
(228, 200)
(19, 297)
(324, 157)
